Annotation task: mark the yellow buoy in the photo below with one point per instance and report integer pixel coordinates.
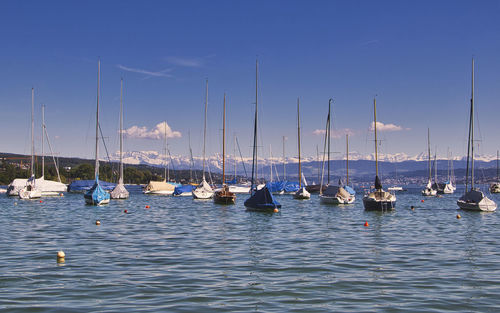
(98, 222)
(60, 256)
(458, 216)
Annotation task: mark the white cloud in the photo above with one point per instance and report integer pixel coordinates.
(387, 127)
(187, 62)
(158, 132)
(336, 133)
(162, 73)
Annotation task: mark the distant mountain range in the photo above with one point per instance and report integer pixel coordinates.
(359, 165)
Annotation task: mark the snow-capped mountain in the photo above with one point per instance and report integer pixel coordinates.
(214, 162)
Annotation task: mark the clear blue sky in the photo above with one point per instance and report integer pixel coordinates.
(415, 55)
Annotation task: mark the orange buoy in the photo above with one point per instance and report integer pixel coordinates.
(458, 216)
(422, 200)
(98, 222)
(366, 224)
(147, 206)
(276, 210)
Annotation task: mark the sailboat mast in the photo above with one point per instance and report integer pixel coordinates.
(271, 161)
(449, 162)
(205, 127)
(317, 159)
(429, 151)
(120, 180)
(298, 137)
(472, 128)
(43, 132)
(347, 158)
(497, 165)
(328, 136)
(165, 153)
(97, 121)
(254, 156)
(234, 156)
(32, 131)
(191, 158)
(375, 129)
(224, 143)
(435, 168)
(284, 160)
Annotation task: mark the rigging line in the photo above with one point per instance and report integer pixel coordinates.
(107, 153)
(52, 152)
(173, 165)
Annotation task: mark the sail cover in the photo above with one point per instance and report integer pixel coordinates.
(84, 185)
(119, 192)
(44, 185)
(378, 184)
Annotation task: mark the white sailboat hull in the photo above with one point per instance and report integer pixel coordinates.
(429, 192)
(30, 194)
(486, 206)
(239, 189)
(158, 192)
(302, 194)
(336, 200)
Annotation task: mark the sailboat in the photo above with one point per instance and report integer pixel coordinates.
(47, 187)
(332, 194)
(429, 190)
(302, 193)
(234, 185)
(473, 198)
(204, 191)
(448, 187)
(96, 195)
(495, 187)
(163, 187)
(378, 199)
(31, 190)
(224, 196)
(186, 190)
(120, 192)
(260, 199)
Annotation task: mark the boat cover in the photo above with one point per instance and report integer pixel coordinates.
(96, 194)
(262, 200)
(84, 185)
(291, 186)
(350, 190)
(120, 192)
(183, 189)
(275, 186)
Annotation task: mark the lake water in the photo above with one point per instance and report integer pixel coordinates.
(182, 255)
